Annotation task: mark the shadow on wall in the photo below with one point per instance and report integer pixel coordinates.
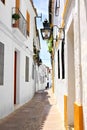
(85, 3)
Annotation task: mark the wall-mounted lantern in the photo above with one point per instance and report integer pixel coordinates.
(47, 31)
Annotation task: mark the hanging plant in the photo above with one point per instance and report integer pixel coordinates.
(35, 56)
(34, 49)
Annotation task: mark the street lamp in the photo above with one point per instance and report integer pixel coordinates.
(47, 31)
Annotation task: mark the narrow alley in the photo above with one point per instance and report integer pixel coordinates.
(41, 113)
(43, 64)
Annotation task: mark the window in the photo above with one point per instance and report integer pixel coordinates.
(3, 1)
(1, 63)
(28, 23)
(58, 65)
(27, 69)
(62, 60)
(32, 71)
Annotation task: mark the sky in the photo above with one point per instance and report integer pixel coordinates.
(42, 7)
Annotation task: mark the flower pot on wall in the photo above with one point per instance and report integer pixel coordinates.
(15, 19)
(15, 16)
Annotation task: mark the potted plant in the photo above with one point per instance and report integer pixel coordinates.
(15, 18)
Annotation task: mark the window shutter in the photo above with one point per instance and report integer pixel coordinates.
(28, 23)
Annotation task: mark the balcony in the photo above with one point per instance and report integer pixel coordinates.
(19, 24)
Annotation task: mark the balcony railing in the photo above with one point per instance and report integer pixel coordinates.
(18, 21)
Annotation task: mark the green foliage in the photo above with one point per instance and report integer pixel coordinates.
(50, 44)
(15, 16)
(34, 49)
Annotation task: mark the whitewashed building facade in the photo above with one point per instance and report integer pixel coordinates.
(70, 62)
(42, 77)
(17, 25)
(37, 47)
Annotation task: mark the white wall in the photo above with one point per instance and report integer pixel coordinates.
(7, 11)
(60, 87)
(25, 90)
(76, 12)
(80, 31)
(60, 84)
(6, 90)
(37, 78)
(71, 74)
(42, 78)
(83, 38)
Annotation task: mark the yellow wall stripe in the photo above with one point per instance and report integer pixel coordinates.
(65, 7)
(65, 111)
(78, 117)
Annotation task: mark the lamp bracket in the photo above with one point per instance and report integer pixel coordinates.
(57, 27)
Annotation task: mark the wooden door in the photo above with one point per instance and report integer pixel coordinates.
(15, 72)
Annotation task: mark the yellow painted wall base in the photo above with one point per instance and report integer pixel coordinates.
(65, 111)
(78, 117)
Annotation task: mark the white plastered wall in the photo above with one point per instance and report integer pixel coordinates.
(25, 90)
(60, 84)
(71, 74)
(83, 38)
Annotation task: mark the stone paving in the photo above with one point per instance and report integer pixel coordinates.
(41, 113)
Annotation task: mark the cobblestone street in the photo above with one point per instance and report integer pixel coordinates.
(41, 113)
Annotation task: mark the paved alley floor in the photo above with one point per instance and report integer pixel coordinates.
(41, 113)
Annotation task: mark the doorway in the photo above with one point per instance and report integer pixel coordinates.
(15, 75)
